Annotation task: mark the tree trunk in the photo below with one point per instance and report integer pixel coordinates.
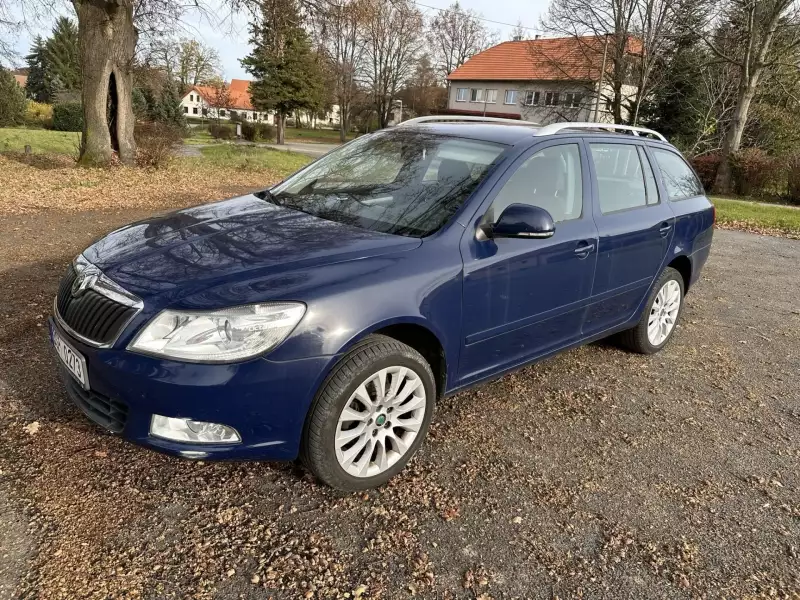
(107, 45)
(280, 131)
(723, 184)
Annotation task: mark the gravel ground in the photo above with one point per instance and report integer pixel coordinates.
(596, 474)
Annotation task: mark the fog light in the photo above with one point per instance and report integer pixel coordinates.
(197, 432)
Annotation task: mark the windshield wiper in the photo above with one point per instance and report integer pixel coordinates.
(268, 196)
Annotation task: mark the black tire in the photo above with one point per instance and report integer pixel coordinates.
(636, 339)
(317, 450)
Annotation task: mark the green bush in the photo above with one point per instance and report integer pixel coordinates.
(756, 173)
(256, 132)
(38, 114)
(68, 116)
(220, 131)
(707, 166)
(794, 179)
(12, 100)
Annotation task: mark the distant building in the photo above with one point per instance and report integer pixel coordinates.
(542, 80)
(202, 100)
(22, 80)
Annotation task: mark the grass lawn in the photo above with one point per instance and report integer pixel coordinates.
(743, 214)
(199, 136)
(40, 140)
(324, 136)
(232, 156)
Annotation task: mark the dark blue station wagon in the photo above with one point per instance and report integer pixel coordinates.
(322, 318)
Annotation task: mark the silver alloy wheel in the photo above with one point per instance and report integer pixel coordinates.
(664, 312)
(380, 421)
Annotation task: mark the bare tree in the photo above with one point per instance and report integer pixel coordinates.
(621, 41)
(455, 35)
(756, 36)
(519, 32)
(393, 33)
(220, 98)
(339, 28)
(197, 63)
(712, 108)
(187, 61)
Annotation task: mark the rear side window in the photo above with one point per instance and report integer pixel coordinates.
(620, 177)
(679, 179)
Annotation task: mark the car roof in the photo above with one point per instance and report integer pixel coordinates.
(485, 132)
(510, 133)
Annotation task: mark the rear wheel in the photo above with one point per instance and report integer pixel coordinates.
(370, 416)
(664, 306)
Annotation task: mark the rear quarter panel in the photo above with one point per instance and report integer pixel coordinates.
(694, 220)
(694, 230)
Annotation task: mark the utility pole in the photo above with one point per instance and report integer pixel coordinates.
(600, 82)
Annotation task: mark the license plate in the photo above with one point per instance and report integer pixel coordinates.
(72, 359)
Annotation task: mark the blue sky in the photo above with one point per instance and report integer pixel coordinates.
(230, 36)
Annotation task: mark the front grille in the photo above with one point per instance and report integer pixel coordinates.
(91, 315)
(108, 413)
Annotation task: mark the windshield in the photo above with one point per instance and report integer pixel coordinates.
(400, 182)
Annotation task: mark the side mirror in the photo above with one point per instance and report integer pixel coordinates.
(521, 221)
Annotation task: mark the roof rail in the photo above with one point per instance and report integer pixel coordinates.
(556, 127)
(456, 118)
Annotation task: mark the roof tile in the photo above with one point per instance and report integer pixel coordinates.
(546, 59)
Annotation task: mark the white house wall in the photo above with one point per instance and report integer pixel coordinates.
(540, 113)
(194, 105)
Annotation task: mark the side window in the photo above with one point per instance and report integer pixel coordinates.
(679, 179)
(620, 181)
(550, 179)
(649, 178)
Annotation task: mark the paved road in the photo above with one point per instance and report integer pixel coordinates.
(596, 474)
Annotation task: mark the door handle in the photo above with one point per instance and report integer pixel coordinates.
(584, 249)
(664, 229)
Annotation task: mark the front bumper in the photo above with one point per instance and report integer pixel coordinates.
(265, 401)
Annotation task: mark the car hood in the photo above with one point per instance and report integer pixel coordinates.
(191, 250)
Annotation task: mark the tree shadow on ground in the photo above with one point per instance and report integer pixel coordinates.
(43, 162)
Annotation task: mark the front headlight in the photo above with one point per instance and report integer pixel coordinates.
(219, 336)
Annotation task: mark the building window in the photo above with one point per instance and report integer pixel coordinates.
(205, 112)
(573, 99)
(476, 95)
(221, 112)
(191, 97)
(186, 109)
(551, 99)
(462, 94)
(511, 97)
(491, 96)
(194, 110)
(532, 98)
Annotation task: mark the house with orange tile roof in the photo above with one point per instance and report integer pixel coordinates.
(205, 101)
(543, 80)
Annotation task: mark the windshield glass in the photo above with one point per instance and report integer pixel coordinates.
(400, 182)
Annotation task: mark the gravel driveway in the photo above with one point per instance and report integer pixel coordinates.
(596, 474)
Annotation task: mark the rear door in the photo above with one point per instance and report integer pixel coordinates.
(526, 297)
(635, 227)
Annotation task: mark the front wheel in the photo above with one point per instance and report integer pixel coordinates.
(664, 306)
(370, 416)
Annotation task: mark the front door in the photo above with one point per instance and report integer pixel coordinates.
(636, 231)
(524, 298)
